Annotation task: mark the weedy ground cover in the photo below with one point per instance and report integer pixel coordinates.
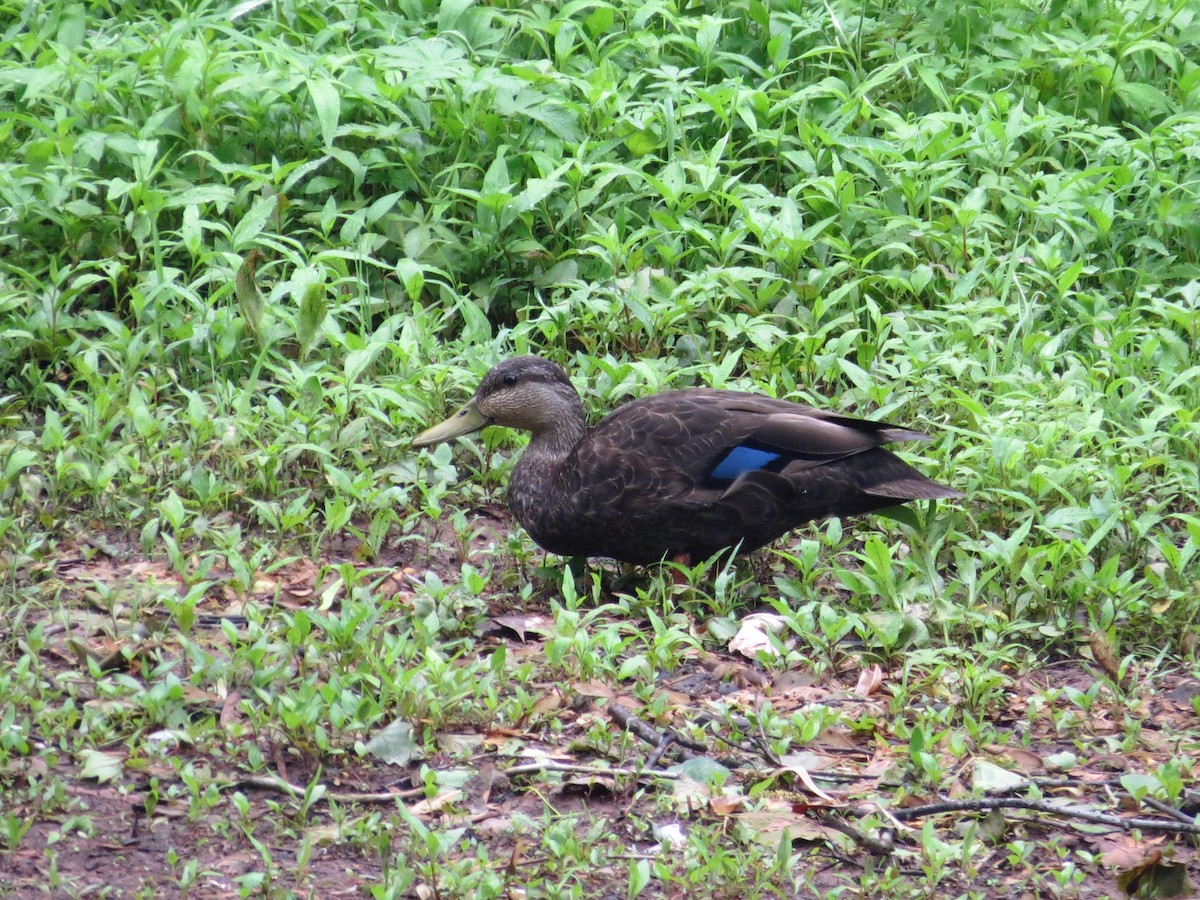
(255, 645)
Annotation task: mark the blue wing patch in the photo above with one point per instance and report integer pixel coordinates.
(740, 460)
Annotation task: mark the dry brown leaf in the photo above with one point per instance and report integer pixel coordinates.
(1105, 654)
(548, 702)
(770, 826)
(431, 805)
(809, 785)
(838, 740)
(869, 681)
(594, 689)
(231, 710)
(494, 826)
(726, 805)
(522, 626)
(793, 680)
(1122, 851)
(1020, 759)
(726, 670)
(197, 697)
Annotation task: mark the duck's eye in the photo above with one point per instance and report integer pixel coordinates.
(511, 378)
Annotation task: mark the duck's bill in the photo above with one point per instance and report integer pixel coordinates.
(466, 420)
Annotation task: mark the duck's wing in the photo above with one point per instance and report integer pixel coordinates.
(697, 470)
(848, 449)
(719, 435)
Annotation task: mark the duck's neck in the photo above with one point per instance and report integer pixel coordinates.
(549, 448)
(535, 480)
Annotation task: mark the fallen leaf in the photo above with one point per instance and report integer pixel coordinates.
(807, 760)
(394, 744)
(1153, 878)
(1105, 653)
(772, 826)
(459, 744)
(548, 702)
(990, 777)
(869, 681)
(726, 804)
(432, 805)
(231, 710)
(1023, 761)
(805, 779)
(753, 636)
(1122, 851)
(594, 689)
(100, 765)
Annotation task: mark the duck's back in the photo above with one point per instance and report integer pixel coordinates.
(684, 474)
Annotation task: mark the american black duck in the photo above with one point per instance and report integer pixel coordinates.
(681, 474)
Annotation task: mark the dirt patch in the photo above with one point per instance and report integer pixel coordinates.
(262, 815)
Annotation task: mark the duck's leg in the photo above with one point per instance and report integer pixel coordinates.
(577, 566)
(677, 576)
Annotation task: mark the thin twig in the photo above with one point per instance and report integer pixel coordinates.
(872, 845)
(631, 723)
(986, 803)
(575, 768)
(298, 792)
(652, 760)
(763, 744)
(1046, 782)
(1168, 810)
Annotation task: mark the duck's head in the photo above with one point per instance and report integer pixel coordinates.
(525, 392)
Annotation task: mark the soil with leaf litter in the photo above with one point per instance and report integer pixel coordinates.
(695, 760)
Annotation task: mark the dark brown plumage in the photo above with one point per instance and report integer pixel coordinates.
(681, 474)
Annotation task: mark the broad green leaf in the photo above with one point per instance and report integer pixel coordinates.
(249, 299)
(249, 229)
(310, 316)
(394, 744)
(101, 765)
(189, 230)
(328, 104)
